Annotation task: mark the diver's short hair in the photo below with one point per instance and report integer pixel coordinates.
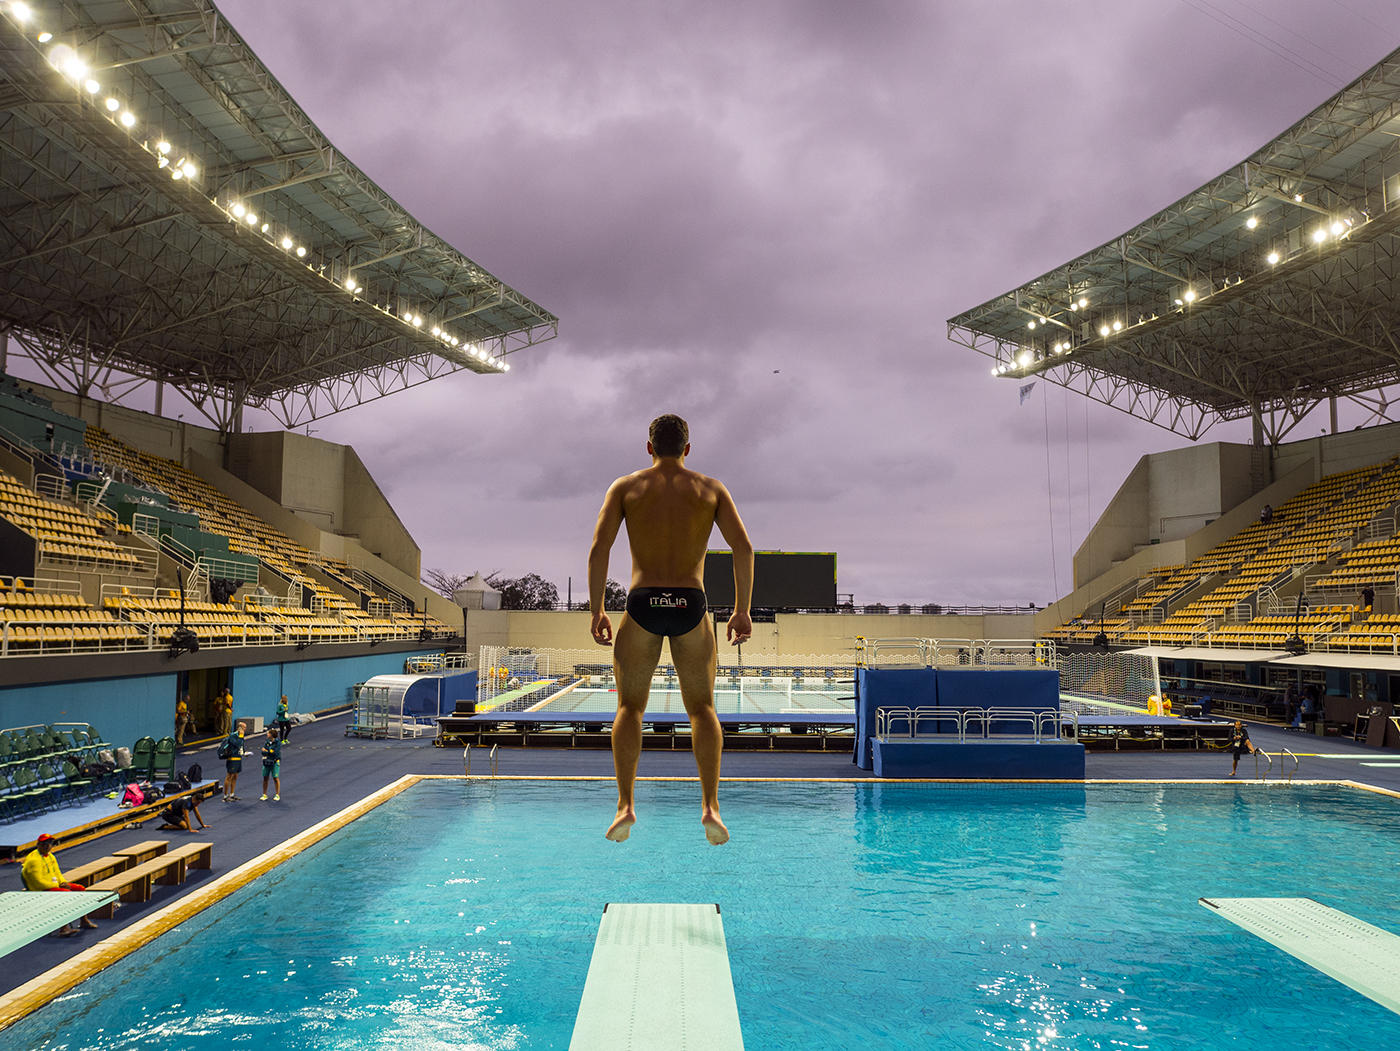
(669, 435)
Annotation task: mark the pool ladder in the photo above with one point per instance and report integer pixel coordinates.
(492, 757)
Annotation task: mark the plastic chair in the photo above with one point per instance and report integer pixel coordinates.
(143, 757)
(163, 762)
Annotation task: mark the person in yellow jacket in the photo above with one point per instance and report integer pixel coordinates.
(41, 872)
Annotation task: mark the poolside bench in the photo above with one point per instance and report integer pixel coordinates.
(26, 916)
(169, 868)
(99, 869)
(142, 852)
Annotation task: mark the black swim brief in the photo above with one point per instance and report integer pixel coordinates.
(666, 611)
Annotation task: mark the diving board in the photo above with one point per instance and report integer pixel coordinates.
(1352, 951)
(27, 916)
(659, 980)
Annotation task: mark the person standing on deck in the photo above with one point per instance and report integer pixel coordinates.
(670, 511)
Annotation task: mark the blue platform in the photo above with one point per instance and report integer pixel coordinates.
(933, 746)
(987, 759)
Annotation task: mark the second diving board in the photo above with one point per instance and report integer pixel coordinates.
(1355, 953)
(659, 980)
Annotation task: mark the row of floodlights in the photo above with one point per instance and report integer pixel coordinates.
(1336, 230)
(68, 62)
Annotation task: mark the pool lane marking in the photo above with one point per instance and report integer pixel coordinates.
(56, 981)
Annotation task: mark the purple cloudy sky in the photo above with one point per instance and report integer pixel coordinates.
(760, 215)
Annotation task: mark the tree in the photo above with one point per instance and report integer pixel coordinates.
(614, 598)
(531, 591)
(443, 583)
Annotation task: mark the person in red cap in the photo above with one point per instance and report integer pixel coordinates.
(41, 872)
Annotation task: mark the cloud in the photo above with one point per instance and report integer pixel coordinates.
(760, 216)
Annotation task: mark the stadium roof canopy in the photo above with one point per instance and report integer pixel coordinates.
(1266, 292)
(170, 217)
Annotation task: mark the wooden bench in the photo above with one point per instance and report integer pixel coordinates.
(142, 852)
(100, 869)
(134, 884)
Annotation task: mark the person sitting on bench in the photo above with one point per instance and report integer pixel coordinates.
(177, 815)
(41, 872)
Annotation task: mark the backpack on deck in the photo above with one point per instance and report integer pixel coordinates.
(132, 796)
(195, 773)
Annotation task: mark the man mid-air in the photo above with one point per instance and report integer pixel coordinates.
(670, 511)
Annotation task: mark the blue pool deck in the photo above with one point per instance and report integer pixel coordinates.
(323, 772)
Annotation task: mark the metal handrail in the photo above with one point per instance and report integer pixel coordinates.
(1295, 764)
(909, 723)
(494, 749)
(1268, 764)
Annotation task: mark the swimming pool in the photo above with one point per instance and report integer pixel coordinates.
(462, 914)
(749, 700)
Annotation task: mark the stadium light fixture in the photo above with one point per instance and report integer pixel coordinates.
(350, 283)
(1104, 330)
(1319, 235)
(1024, 359)
(21, 12)
(1252, 223)
(1083, 302)
(1189, 295)
(1030, 325)
(301, 252)
(1338, 228)
(112, 104)
(1118, 326)
(45, 37)
(286, 244)
(238, 210)
(1273, 258)
(251, 218)
(189, 169)
(91, 86)
(128, 119)
(163, 147)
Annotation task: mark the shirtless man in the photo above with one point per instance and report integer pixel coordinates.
(669, 510)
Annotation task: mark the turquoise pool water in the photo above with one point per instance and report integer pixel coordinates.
(462, 915)
(749, 700)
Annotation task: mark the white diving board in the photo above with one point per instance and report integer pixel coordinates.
(27, 916)
(1358, 955)
(659, 980)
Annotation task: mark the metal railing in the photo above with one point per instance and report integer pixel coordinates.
(983, 724)
(956, 653)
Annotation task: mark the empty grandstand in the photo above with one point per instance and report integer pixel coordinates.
(1265, 295)
(179, 234)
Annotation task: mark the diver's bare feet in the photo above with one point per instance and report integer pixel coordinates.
(715, 831)
(621, 827)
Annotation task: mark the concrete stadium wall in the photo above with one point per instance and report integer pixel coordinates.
(1167, 496)
(791, 634)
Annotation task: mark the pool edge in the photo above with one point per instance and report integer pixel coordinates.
(53, 983)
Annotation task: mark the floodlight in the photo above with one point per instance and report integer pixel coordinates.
(417, 321)
(162, 147)
(112, 105)
(1104, 330)
(996, 372)
(127, 118)
(1073, 305)
(359, 289)
(301, 252)
(176, 174)
(350, 283)
(1252, 222)
(1083, 302)
(1178, 302)
(505, 366)
(1024, 358)
(45, 37)
(162, 162)
(1273, 258)
(1030, 325)
(92, 86)
(188, 168)
(1319, 235)
(1189, 295)
(1117, 326)
(263, 228)
(286, 244)
(437, 331)
(238, 210)
(251, 218)
(1337, 229)
(20, 12)
(1297, 198)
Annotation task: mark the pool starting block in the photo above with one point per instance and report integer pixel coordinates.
(1355, 953)
(659, 980)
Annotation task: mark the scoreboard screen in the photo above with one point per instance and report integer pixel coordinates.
(781, 579)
